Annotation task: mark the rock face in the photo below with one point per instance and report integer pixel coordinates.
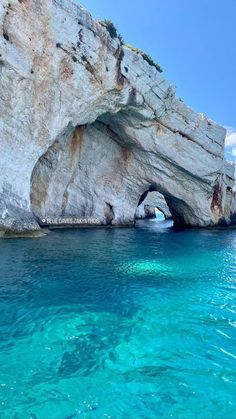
(151, 202)
(233, 217)
(88, 127)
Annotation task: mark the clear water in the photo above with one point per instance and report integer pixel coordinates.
(119, 323)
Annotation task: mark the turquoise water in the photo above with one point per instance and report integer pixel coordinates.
(119, 323)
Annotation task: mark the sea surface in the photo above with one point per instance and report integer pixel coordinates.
(119, 323)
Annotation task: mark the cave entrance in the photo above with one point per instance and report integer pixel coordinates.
(105, 169)
(152, 204)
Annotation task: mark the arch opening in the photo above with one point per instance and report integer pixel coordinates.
(152, 204)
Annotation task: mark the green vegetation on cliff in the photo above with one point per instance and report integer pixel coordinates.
(145, 56)
(111, 28)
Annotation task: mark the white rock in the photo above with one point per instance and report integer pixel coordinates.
(88, 126)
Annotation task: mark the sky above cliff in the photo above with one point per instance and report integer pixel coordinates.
(194, 42)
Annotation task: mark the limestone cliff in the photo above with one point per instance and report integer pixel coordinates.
(88, 126)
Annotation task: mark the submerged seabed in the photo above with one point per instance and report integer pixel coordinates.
(119, 323)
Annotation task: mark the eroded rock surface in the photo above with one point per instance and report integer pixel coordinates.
(88, 126)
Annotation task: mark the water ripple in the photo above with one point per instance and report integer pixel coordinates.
(122, 324)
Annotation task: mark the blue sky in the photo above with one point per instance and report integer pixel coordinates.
(195, 43)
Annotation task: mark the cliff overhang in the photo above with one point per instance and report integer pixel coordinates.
(88, 126)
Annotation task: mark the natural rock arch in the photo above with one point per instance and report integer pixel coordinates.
(95, 125)
(152, 202)
(105, 169)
